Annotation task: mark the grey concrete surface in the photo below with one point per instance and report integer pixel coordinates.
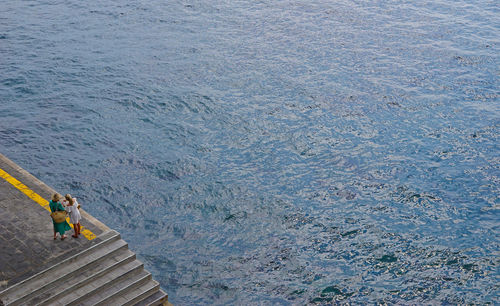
(26, 231)
(29, 255)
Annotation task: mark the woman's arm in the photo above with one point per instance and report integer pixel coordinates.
(75, 203)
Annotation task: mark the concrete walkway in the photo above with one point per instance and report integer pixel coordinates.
(26, 231)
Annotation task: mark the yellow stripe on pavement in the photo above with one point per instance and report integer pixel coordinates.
(37, 198)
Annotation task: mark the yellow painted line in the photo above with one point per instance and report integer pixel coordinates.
(38, 199)
(30, 193)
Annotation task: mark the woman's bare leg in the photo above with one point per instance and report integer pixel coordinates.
(75, 228)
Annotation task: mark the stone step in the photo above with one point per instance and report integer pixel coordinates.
(61, 275)
(121, 288)
(158, 298)
(106, 273)
(88, 276)
(38, 283)
(101, 284)
(138, 294)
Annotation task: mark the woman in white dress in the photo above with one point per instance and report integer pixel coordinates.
(72, 207)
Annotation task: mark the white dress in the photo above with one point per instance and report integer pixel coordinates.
(74, 212)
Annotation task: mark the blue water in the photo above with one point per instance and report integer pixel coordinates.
(270, 152)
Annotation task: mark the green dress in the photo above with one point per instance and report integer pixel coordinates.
(62, 227)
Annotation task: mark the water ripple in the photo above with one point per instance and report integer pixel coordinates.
(270, 152)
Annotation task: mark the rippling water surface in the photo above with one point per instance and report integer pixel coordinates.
(270, 152)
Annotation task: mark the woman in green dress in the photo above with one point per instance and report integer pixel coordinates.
(62, 227)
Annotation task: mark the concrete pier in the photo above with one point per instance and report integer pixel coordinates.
(95, 269)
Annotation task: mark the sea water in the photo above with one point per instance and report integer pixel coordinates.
(270, 152)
